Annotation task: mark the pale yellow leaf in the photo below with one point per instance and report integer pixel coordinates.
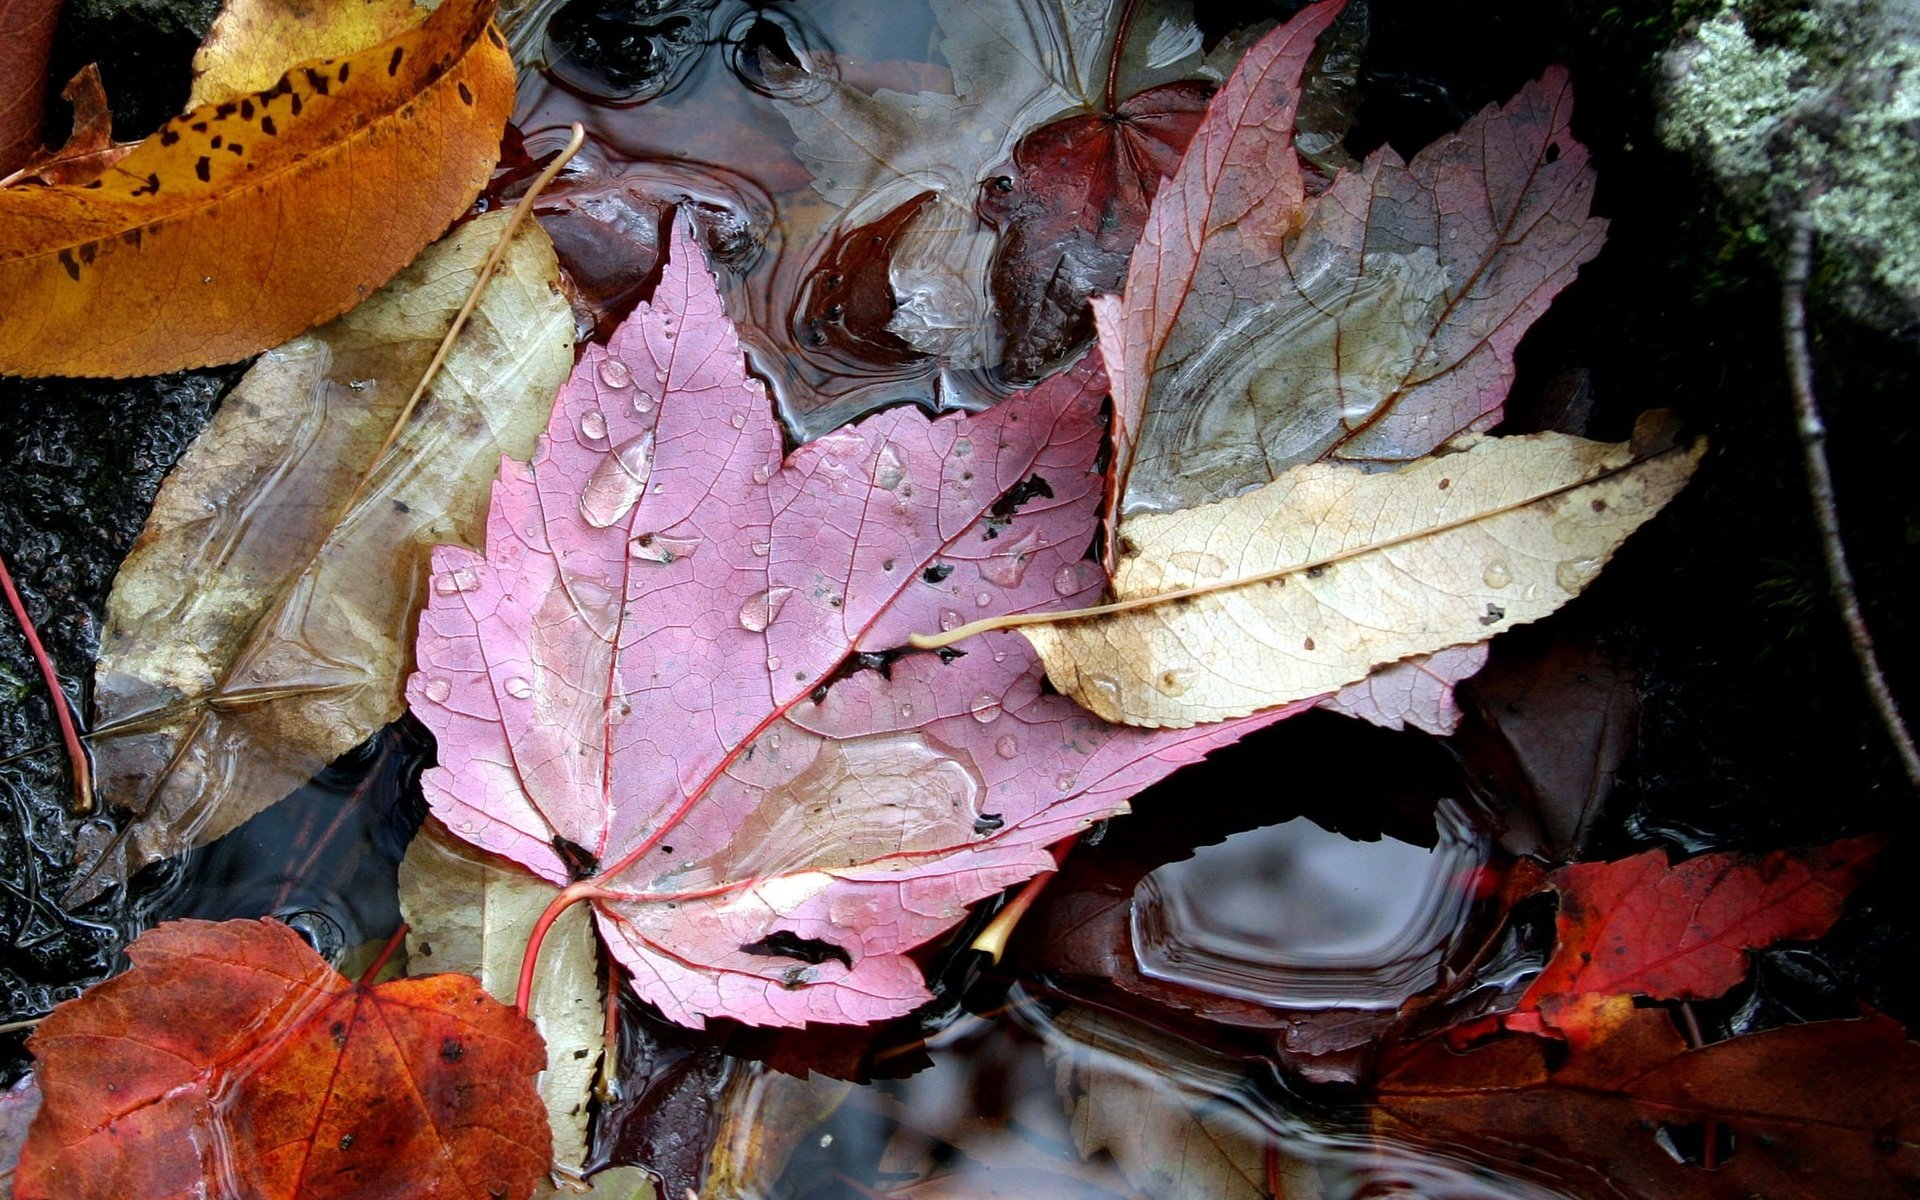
(1309, 583)
(471, 912)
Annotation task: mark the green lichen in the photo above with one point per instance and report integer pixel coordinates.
(1810, 114)
(1869, 173)
(1731, 98)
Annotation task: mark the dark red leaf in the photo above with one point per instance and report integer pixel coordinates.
(1640, 927)
(232, 1062)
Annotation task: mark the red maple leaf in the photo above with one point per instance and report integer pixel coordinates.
(1639, 927)
(232, 1062)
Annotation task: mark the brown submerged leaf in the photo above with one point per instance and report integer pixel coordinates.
(1826, 1109)
(242, 223)
(1308, 584)
(259, 627)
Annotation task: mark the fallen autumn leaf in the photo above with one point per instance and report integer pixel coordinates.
(232, 1062)
(236, 225)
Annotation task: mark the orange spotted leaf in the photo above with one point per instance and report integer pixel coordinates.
(239, 224)
(232, 1061)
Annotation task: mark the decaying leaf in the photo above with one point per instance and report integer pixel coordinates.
(232, 1062)
(677, 671)
(1259, 330)
(253, 42)
(1307, 584)
(470, 912)
(89, 150)
(26, 42)
(242, 223)
(1641, 927)
(1827, 1109)
(259, 627)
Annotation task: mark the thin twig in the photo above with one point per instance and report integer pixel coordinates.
(1826, 514)
(495, 257)
(17, 1026)
(76, 753)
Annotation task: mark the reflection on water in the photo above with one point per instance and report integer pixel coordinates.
(1296, 916)
(1072, 1101)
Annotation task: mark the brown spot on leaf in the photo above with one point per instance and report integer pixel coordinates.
(204, 168)
(466, 94)
(393, 64)
(72, 265)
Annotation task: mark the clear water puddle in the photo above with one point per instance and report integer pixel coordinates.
(1298, 917)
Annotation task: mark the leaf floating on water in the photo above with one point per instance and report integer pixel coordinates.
(232, 1062)
(242, 223)
(1311, 582)
(246, 649)
(779, 803)
(1641, 927)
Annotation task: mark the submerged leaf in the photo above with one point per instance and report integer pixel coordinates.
(1260, 330)
(471, 913)
(1311, 582)
(1826, 1109)
(910, 167)
(242, 223)
(1157, 1103)
(679, 656)
(232, 1062)
(258, 629)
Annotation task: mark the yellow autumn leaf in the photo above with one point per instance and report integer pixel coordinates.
(254, 42)
(242, 223)
(1310, 582)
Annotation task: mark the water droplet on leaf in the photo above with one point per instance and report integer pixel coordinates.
(985, 708)
(1007, 747)
(438, 690)
(760, 609)
(518, 687)
(614, 373)
(460, 579)
(888, 468)
(617, 482)
(593, 425)
(1496, 575)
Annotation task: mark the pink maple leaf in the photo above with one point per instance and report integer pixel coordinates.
(674, 674)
